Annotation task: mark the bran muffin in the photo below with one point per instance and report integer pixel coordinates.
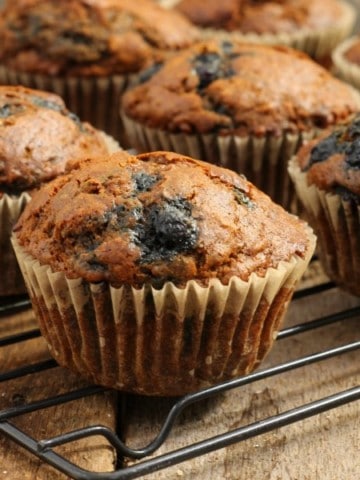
(38, 134)
(247, 107)
(170, 273)
(87, 51)
(313, 26)
(326, 174)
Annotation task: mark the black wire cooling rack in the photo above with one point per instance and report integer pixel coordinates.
(44, 449)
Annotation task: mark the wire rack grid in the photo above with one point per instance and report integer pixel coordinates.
(145, 460)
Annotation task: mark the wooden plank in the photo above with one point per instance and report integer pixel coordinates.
(94, 453)
(325, 447)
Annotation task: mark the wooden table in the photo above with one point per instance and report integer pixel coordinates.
(324, 447)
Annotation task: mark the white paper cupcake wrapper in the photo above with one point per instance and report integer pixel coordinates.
(342, 68)
(93, 99)
(12, 282)
(336, 222)
(263, 161)
(161, 342)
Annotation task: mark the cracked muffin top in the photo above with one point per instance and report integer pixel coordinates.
(262, 16)
(236, 88)
(332, 161)
(89, 37)
(38, 135)
(157, 217)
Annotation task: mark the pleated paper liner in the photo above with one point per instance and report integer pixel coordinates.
(93, 99)
(336, 222)
(11, 206)
(167, 341)
(347, 71)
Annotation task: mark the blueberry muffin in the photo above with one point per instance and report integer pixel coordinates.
(171, 273)
(247, 107)
(87, 51)
(38, 134)
(313, 26)
(326, 174)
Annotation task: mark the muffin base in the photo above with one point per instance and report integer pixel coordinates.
(10, 210)
(168, 341)
(336, 223)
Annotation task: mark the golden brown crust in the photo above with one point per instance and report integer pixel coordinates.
(38, 135)
(261, 17)
(243, 89)
(154, 218)
(89, 37)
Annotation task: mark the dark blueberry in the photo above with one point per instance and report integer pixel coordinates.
(210, 67)
(243, 199)
(347, 195)
(10, 109)
(221, 109)
(354, 128)
(43, 103)
(146, 74)
(326, 147)
(117, 218)
(166, 230)
(76, 37)
(227, 48)
(144, 182)
(352, 154)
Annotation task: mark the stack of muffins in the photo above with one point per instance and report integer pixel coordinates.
(164, 272)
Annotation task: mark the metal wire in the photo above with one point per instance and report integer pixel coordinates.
(44, 449)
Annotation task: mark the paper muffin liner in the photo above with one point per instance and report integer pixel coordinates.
(317, 43)
(93, 99)
(342, 68)
(336, 223)
(263, 160)
(11, 206)
(167, 341)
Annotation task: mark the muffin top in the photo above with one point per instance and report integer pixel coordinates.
(38, 135)
(262, 16)
(332, 161)
(89, 37)
(157, 217)
(236, 88)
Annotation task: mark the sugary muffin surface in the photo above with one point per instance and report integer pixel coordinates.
(264, 16)
(157, 217)
(236, 88)
(89, 37)
(332, 162)
(38, 135)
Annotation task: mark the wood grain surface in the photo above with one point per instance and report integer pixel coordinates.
(93, 453)
(324, 447)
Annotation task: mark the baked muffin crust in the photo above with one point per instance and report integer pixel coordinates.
(264, 16)
(38, 135)
(89, 37)
(157, 217)
(242, 89)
